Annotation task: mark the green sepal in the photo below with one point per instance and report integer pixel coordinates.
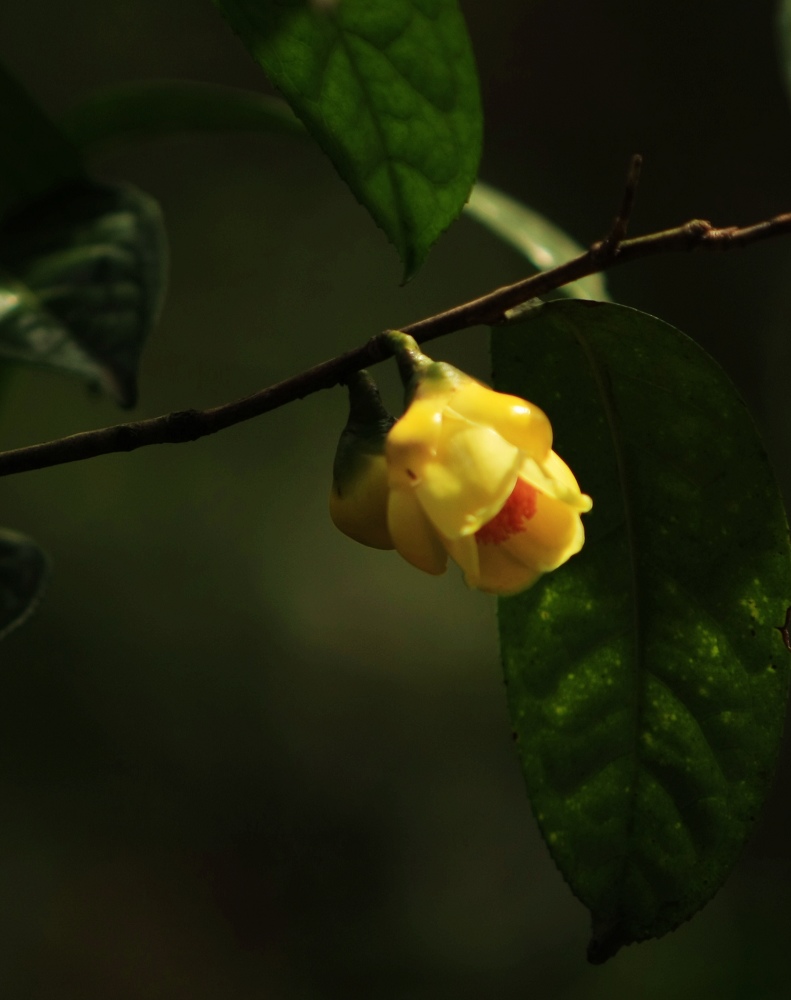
(417, 369)
(365, 431)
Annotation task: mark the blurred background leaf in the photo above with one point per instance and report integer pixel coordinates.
(34, 155)
(647, 680)
(536, 238)
(85, 278)
(388, 89)
(150, 109)
(23, 571)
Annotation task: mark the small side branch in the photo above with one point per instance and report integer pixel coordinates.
(608, 247)
(190, 425)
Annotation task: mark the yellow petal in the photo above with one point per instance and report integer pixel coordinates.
(549, 538)
(501, 573)
(464, 551)
(359, 509)
(554, 478)
(412, 441)
(470, 480)
(521, 423)
(413, 534)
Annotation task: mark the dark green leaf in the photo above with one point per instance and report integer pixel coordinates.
(151, 109)
(784, 40)
(389, 91)
(84, 278)
(34, 155)
(23, 573)
(538, 239)
(647, 682)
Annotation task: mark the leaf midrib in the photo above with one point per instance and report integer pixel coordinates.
(598, 371)
(398, 196)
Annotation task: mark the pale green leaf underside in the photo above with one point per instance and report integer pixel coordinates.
(388, 89)
(543, 243)
(23, 573)
(81, 282)
(647, 683)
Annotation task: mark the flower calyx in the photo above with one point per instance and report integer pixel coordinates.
(358, 497)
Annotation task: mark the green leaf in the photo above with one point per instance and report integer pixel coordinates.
(34, 155)
(157, 108)
(783, 35)
(23, 574)
(83, 283)
(388, 89)
(647, 682)
(532, 235)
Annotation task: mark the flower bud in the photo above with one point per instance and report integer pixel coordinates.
(473, 476)
(358, 498)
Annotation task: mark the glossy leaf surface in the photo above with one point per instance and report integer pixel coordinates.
(647, 682)
(543, 243)
(388, 89)
(81, 283)
(23, 573)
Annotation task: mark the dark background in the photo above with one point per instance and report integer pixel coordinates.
(242, 757)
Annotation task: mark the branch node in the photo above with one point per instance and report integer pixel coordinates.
(125, 437)
(700, 232)
(183, 425)
(380, 347)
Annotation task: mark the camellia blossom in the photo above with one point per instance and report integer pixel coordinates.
(472, 475)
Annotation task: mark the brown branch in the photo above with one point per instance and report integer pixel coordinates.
(189, 425)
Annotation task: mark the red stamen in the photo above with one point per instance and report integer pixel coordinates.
(518, 508)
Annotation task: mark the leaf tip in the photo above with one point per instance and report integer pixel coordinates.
(411, 267)
(607, 939)
(124, 390)
(24, 574)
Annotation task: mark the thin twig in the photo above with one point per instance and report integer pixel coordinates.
(189, 425)
(620, 226)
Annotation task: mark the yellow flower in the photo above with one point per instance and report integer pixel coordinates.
(472, 475)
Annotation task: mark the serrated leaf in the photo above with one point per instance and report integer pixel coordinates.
(23, 574)
(543, 243)
(84, 274)
(388, 89)
(158, 108)
(646, 680)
